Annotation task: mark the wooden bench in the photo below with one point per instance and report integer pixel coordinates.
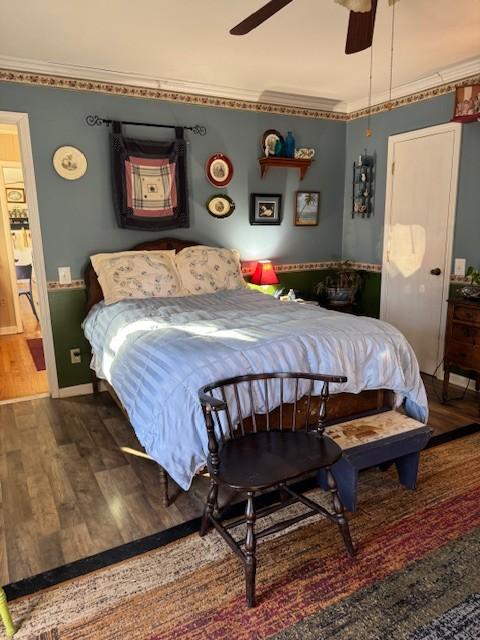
(376, 440)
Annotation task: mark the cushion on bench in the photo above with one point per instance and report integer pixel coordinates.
(371, 428)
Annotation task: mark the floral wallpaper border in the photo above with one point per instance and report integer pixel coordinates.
(75, 84)
(418, 96)
(248, 268)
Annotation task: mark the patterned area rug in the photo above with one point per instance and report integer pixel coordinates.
(416, 575)
(35, 346)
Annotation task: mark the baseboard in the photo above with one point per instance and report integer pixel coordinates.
(78, 390)
(456, 379)
(25, 398)
(6, 331)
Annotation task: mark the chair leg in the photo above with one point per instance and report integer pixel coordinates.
(250, 548)
(338, 507)
(32, 304)
(210, 506)
(5, 614)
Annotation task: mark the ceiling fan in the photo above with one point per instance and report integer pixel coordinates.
(360, 24)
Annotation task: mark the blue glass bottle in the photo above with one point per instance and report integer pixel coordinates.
(290, 145)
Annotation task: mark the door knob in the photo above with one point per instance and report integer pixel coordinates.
(436, 272)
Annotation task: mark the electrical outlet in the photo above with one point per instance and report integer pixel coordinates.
(75, 356)
(64, 275)
(3, 302)
(460, 265)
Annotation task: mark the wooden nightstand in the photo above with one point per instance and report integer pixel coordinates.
(462, 340)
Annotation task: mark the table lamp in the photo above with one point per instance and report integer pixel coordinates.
(264, 273)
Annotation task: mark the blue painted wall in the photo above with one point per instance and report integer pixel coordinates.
(363, 238)
(77, 218)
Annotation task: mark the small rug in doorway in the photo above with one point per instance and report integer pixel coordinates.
(36, 349)
(415, 576)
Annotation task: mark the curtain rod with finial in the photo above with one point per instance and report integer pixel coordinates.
(94, 120)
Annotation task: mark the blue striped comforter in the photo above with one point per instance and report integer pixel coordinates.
(157, 352)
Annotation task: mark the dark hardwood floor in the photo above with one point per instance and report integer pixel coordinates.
(74, 480)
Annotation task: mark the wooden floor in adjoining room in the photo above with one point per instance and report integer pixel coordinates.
(73, 485)
(18, 374)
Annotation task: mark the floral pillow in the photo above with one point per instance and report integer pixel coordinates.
(137, 274)
(207, 269)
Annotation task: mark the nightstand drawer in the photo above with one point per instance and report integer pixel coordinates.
(464, 355)
(467, 314)
(466, 334)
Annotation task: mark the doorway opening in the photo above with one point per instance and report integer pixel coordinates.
(26, 349)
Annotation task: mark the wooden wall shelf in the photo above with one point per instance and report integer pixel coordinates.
(267, 162)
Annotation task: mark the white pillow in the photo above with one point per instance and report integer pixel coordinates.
(208, 269)
(137, 274)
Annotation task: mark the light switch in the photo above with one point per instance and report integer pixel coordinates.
(460, 265)
(64, 275)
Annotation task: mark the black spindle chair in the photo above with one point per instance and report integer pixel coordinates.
(263, 433)
(24, 272)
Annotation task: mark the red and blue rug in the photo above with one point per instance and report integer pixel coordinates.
(416, 575)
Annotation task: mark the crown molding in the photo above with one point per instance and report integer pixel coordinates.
(31, 71)
(79, 78)
(441, 80)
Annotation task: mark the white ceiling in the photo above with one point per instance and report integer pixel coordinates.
(298, 51)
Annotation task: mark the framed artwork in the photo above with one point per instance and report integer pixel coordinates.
(307, 208)
(265, 208)
(467, 104)
(220, 206)
(219, 170)
(15, 195)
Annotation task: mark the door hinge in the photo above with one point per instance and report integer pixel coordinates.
(393, 168)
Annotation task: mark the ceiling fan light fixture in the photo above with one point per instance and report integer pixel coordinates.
(358, 6)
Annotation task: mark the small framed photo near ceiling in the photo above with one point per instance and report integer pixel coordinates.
(467, 104)
(219, 170)
(307, 208)
(220, 206)
(265, 208)
(15, 195)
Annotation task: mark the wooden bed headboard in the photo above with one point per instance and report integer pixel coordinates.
(94, 290)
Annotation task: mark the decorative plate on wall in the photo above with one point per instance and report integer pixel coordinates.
(69, 162)
(219, 170)
(220, 206)
(271, 141)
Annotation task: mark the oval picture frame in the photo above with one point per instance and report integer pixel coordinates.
(220, 206)
(219, 170)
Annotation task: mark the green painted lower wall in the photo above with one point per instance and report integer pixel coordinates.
(67, 311)
(369, 296)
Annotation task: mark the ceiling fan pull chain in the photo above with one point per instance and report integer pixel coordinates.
(389, 105)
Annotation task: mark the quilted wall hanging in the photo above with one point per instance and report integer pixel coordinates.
(149, 181)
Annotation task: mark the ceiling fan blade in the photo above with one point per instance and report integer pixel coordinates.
(360, 30)
(256, 19)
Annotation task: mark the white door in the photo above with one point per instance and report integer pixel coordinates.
(417, 251)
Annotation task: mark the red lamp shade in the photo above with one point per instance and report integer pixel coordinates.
(264, 273)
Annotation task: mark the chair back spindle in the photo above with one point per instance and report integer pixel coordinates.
(322, 414)
(264, 402)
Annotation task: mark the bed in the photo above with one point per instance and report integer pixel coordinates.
(154, 354)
